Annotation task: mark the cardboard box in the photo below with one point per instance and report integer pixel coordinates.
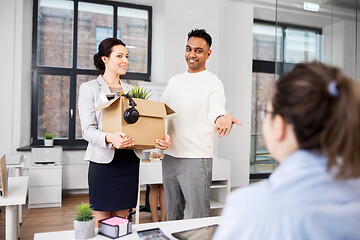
(149, 127)
(3, 177)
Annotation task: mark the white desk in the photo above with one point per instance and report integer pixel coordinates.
(17, 163)
(166, 227)
(16, 195)
(151, 173)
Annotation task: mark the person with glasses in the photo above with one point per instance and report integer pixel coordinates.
(312, 128)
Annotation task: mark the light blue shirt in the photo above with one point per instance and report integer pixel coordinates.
(300, 200)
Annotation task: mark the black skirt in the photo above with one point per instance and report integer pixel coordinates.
(114, 186)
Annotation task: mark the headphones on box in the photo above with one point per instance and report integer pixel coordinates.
(131, 115)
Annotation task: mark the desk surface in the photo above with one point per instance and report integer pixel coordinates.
(17, 190)
(166, 227)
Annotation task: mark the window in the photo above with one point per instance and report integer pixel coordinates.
(67, 35)
(276, 50)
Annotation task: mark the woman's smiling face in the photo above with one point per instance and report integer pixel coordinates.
(117, 61)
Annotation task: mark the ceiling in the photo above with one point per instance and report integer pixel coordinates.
(345, 4)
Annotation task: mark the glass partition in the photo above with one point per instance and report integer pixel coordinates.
(284, 34)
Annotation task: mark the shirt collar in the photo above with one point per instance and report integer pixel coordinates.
(294, 162)
(197, 73)
(106, 88)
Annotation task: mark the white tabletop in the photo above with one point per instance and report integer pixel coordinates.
(17, 190)
(167, 227)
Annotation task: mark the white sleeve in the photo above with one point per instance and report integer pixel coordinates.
(164, 98)
(89, 122)
(216, 105)
(228, 228)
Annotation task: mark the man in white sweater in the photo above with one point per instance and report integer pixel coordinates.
(198, 98)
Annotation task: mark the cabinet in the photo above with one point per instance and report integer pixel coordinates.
(45, 178)
(45, 186)
(220, 186)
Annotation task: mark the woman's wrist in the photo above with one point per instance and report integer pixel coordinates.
(107, 138)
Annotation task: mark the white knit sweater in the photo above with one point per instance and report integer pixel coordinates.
(198, 99)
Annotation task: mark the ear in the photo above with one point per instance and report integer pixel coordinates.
(279, 127)
(209, 53)
(104, 58)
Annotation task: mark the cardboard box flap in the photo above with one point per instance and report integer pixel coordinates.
(168, 110)
(105, 105)
(147, 108)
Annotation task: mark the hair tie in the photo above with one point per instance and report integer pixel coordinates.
(332, 89)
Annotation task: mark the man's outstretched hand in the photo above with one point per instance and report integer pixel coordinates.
(223, 125)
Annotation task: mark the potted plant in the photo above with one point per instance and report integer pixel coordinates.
(48, 141)
(84, 222)
(137, 92)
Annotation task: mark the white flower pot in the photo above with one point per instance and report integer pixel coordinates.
(48, 142)
(84, 230)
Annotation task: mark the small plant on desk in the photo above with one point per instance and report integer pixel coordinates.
(84, 223)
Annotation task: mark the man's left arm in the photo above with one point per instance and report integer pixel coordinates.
(223, 122)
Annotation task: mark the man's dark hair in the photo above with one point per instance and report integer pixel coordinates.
(200, 33)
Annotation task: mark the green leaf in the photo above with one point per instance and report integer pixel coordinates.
(48, 136)
(137, 92)
(84, 212)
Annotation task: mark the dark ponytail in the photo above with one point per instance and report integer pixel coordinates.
(105, 49)
(98, 62)
(341, 137)
(323, 105)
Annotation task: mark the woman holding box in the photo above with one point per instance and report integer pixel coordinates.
(312, 128)
(113, 171)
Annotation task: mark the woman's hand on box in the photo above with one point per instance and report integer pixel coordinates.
(163, 144)
(119, 140)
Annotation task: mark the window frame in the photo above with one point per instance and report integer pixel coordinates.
(276, 67)
(73, 71)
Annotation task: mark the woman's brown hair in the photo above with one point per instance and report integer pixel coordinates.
(105, 49)
(323, 106)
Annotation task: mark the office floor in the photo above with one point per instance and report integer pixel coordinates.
(262, 168)
(264, 163)
(56, 219)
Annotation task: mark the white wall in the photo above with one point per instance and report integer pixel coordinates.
(236, 72)
(15, 65)
(180, 18)
(7, 19)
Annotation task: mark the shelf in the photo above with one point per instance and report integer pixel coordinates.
(219, 184)
(215, 204)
